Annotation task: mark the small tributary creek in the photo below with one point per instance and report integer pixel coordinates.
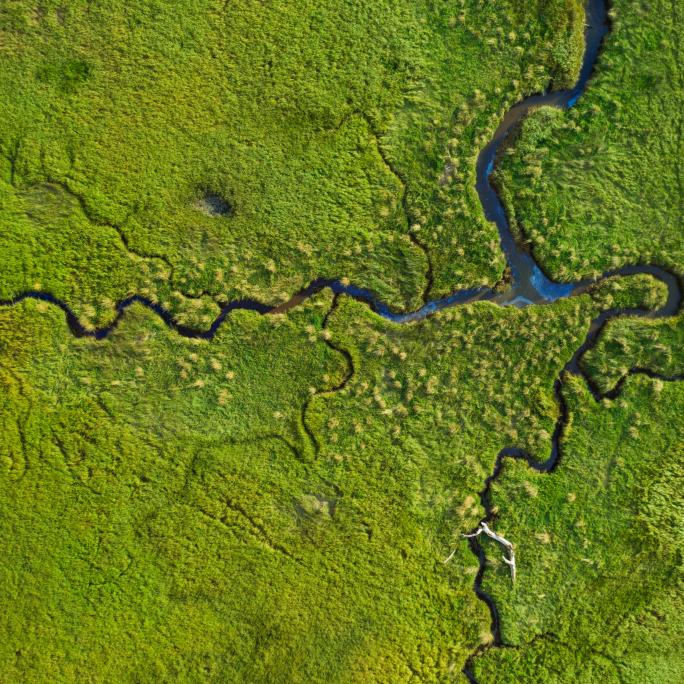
(527, 284)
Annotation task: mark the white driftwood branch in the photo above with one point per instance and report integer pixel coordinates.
(508, 559)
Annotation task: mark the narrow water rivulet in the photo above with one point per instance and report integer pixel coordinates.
(527, 285)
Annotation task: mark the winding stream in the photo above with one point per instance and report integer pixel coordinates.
(529, 285)
(572, 367)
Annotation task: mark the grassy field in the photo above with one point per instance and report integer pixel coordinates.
(276, 504)
(306, 122)
(164, 518)
(601, 185)
(214, 511)
(598, 545)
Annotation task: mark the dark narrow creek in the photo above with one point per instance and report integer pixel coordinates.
(572, 367)
(528, 285)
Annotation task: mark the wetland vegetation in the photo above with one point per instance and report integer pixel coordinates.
(342, 135)
(271, 496)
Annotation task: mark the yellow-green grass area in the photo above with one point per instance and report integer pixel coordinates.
(600, 186)
(253, 378)
(164, 516)
(304, 123)
(599, 548)
(261, 507)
